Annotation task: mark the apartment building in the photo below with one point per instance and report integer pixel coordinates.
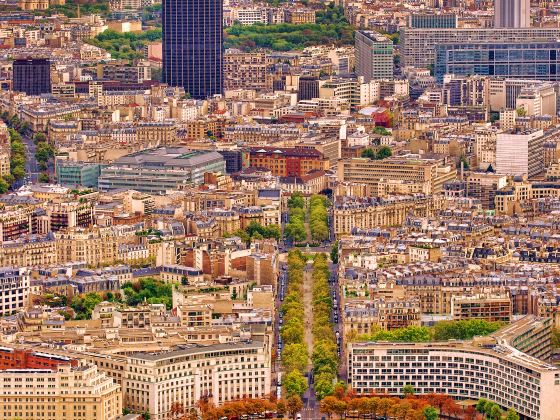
(93, 246)
(486, 306)
(153, 382)
(411, 168)
(29, 251)
(364, 317)
(65, 392)
(296, 161)
(245, 70)
(368, 213)
(489, 367)
(299, 15)
(15, 289)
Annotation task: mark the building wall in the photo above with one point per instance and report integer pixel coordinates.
(374, 56)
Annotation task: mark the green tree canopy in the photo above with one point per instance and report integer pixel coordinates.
(295, 383)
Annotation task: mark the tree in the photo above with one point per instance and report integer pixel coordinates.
(327, 405)
(334, 253)
(384, 152)
(470, 413)
(292, 331)
(44, 178)
(496, 412)
(177, 409)
(281, 407)
(83, 304)
(384, 406)
(323, 384)
(464, 161)
(430, 413)
(556, 338)
(512, 415)
(294, 356)
(408, 390)
(464, 329)
(295, 383)
(369, 153)
(3, 186)
(294, 405)
(44, 152)
(340, 407)
(481, 405)
(39, 137)
(296, 200)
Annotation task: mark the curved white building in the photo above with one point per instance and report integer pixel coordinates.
(489, 367)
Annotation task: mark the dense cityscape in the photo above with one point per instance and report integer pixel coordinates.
(290, 209)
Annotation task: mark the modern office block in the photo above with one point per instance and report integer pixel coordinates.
(74, 174)
(193, 46)
(432, 20)
(512, 13)
(520, 152)
(523, 60)
(418, 45)
(308, 88)
(157, 170)
(374, 56)
(32, 76)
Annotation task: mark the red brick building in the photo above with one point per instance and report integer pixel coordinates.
(11, 358)
(283, 161)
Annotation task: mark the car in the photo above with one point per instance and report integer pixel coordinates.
(298, 416)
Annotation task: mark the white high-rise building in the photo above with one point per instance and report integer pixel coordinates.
(520, 152)
(512, 13)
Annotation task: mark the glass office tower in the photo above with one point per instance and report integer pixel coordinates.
(193, 46)
(521, 60)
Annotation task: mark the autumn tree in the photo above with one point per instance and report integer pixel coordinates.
(327, 405)
(177, 409)
(294, 405)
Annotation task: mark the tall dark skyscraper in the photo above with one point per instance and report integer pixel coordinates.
(193, 46)
(32, 76)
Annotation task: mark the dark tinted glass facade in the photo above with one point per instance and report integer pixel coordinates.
(193, 46)
(430, 21)
(525, 60)
(32, 76)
